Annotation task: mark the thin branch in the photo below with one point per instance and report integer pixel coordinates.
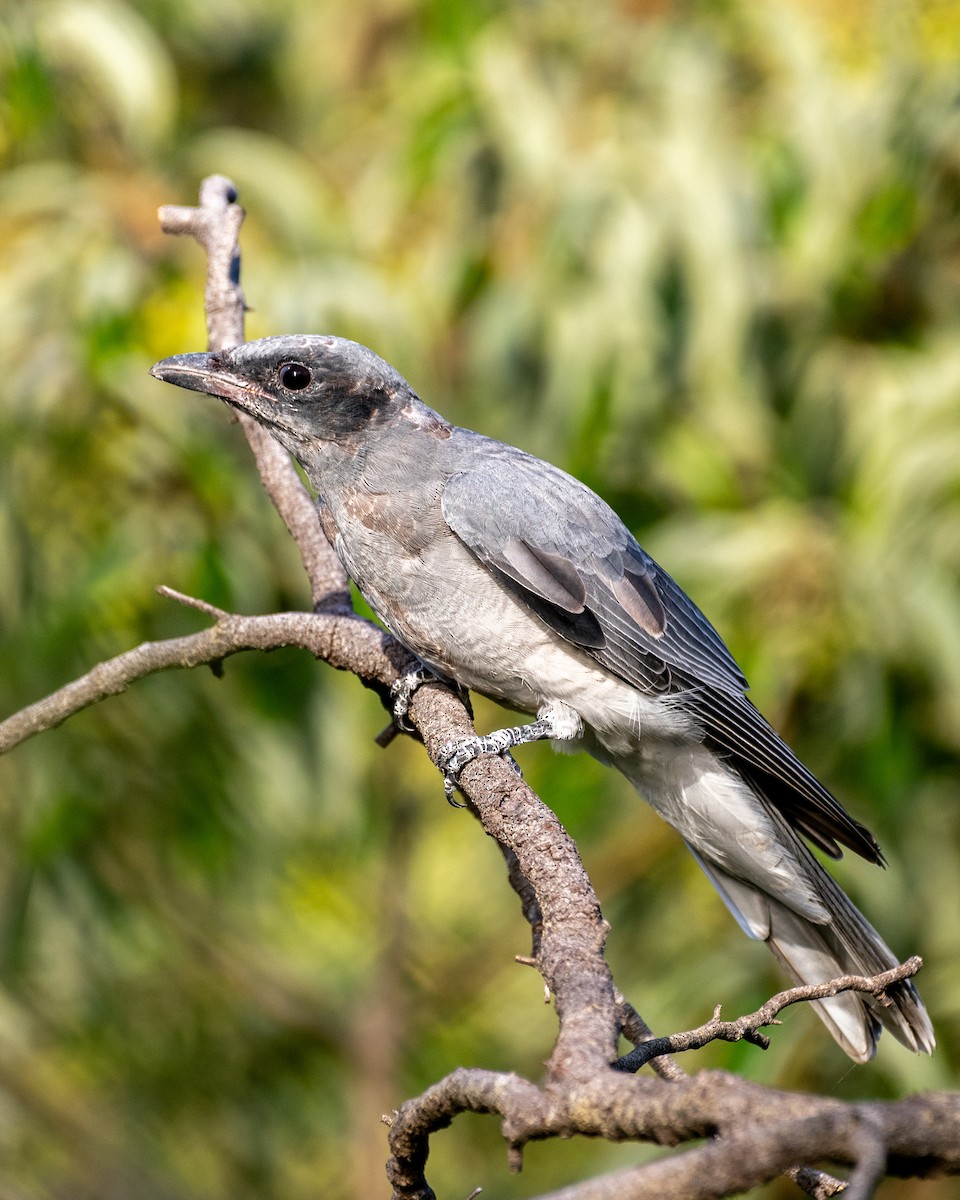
(817, 1184)
(346, 642)
(203, 606)
(635, 1029)
(747, 1028)
(215, 224)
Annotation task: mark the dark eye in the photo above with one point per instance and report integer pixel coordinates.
(294, 376)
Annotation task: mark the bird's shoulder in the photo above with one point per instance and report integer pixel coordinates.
(560, 547)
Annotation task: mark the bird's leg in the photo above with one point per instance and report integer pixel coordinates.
(555, 722)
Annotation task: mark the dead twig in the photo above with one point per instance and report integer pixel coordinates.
(215, 224)
(747, 1028)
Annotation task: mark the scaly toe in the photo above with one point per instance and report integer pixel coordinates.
(402, 692)
(456, 755)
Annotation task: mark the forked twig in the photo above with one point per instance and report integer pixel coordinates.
(747, 1028)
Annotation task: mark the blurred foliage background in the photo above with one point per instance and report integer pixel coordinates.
(704, 255)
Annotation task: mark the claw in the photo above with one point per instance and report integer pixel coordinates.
(512, 762)
(556, 722)
(456, 755)
(402, 692)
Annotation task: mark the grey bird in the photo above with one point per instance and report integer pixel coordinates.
(510, 577)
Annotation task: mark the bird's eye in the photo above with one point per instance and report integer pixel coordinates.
(294, 376)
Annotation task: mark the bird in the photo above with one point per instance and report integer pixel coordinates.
(511, 578)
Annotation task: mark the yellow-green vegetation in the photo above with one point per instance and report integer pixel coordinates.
(704, 255)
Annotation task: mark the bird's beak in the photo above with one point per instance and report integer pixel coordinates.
(205, 373)
(194, 371)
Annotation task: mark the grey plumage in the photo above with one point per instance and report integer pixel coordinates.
(514, 579)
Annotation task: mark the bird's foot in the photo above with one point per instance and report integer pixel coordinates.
(455, 755)
(555, 722)
(402, 692)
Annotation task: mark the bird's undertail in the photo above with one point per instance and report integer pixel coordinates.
(846, 944)
(779, 893)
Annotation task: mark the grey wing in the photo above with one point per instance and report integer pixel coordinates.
(548, 538)
(556, 545)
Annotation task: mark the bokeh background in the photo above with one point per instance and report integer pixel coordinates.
(704, 255)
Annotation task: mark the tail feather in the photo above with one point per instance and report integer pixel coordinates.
(809, 959)
(811, 952)
(779, 893)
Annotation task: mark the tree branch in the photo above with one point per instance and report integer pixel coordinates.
(756, 1133)
(746, 1028)
(349, 643)
(215, 224)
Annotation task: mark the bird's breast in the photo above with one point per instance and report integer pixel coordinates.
(437, 599)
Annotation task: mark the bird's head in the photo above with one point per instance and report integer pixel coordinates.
(303, 388)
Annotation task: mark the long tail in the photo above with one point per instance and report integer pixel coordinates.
(796, 907)
(847, 944)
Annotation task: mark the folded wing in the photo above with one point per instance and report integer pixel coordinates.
(563, 551)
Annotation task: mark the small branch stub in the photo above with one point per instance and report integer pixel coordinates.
(215, 224)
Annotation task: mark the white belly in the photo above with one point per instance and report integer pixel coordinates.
(451, 612)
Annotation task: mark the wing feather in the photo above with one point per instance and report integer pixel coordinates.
(546, 535)
(568, 556)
